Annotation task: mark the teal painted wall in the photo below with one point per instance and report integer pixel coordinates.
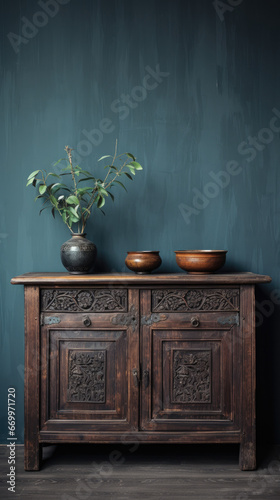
(73, 67)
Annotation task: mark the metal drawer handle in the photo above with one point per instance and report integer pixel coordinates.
(146, 378)
(195, 322)
(87, 321)
(135, 377)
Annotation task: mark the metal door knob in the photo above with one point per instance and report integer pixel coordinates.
(195, 322)
(87, 321)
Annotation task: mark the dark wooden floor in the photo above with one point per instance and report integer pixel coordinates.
(162, 472)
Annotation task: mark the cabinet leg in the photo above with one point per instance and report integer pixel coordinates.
(247, 455)
(32, 375)
(32, 456)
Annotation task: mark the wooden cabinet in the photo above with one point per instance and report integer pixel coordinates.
(153, 358)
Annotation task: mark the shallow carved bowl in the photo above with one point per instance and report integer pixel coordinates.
(143, 262)
(200, 261)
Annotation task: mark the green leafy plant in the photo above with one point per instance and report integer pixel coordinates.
(75, 202)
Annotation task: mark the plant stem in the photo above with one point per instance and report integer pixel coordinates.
(91, 202)
(65, 220)
(114, 159)
(69, 154)
(117, 175)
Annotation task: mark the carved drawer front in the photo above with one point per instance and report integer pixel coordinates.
(94, 300)
(195, 299)
(86, 379)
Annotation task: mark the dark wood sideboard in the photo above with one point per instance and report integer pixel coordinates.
(154, 358)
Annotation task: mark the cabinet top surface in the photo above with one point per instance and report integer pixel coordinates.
(136, 279)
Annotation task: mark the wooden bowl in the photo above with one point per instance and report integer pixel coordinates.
(143, 262)
(200, 261)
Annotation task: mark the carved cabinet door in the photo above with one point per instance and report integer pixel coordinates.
(191, 355)
(89, 351)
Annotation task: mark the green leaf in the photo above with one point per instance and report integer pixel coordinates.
(103, 157)
(58, 185)
(72, 218)
(54, 175)
(132, 169)
(33, 174)
(55, 187)
(74, 212)
(39, 196)
(64, 216)
(130, 156)
(110, 194)
(121, 184)
(86, 172)
(42, 210)
(55, 190)
(82, 191)
(128, 175)
(136, 165)
(72, 200)
(102, 191)
(53, 200)
(57, 162)
(42, 188)
(30, 181)
(101, 201)
(87, 179)
(111, 166)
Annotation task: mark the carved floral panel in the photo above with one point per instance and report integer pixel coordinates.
(91, 300)
(191, 376)
(86, 376)
(199, 299)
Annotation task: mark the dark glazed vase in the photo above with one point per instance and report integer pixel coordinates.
(78, 254)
